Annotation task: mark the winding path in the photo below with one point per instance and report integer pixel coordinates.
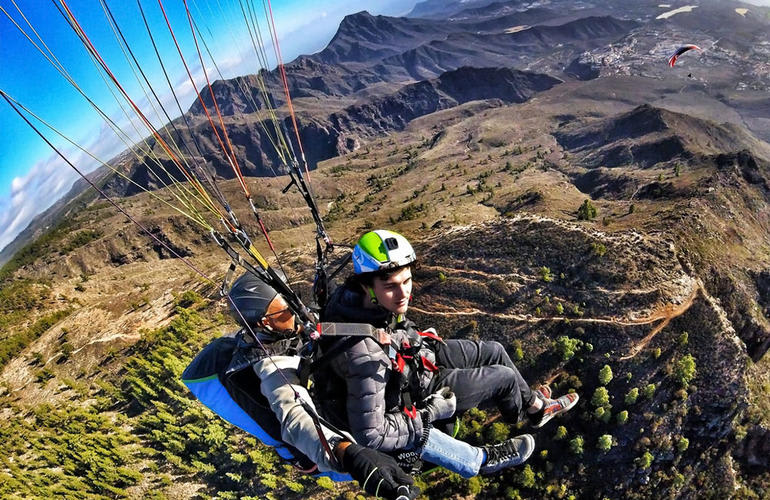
(664, 314)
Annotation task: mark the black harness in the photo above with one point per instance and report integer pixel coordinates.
(405, 359)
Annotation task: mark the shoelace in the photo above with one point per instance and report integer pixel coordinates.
(509, 453)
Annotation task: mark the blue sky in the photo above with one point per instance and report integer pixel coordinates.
(32, 177)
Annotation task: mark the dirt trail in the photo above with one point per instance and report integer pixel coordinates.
(664, 314)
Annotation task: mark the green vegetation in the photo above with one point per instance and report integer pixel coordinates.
(14, 344)
(632, 396)
(545, 274)
(605, 375)
(411, 211)
(598, 249)
(587, 211)
(81, 239)
(527, 478)
(601, 397)
(49, 243)
(684, 370)
(566, 346)
(605, 442)
(518, 351)
(87, 450)
(645, 461)
(649, 391)
(622, 417)
(576, 445)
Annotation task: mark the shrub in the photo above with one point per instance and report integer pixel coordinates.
(684, 338)
(587, 211)
(566, 346)
(66, 350)
(518, 352)
(631, 396)
(645, 460)
(605, 442)
(684, 371)
(576, 445)
(622, 417)
(605, 375)
(441, 277)
(545, 274)
(561, 433)
(559, 308)
(188, 299)
(649, 391)
(498, 432)
(527, 477)
(411, 211)
(601, 397)
(682, 444)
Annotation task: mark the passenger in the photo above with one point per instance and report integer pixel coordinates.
(392, 390)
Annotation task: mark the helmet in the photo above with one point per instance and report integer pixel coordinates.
(380, 250)
(253, 300)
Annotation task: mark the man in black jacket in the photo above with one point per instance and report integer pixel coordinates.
(388, 384)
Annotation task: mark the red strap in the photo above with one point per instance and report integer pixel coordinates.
(411, 413)
(399, 363)
(430, 335)
(426, 363)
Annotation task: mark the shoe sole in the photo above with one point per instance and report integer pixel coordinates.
(548, 418)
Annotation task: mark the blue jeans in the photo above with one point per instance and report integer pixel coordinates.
(452, 454)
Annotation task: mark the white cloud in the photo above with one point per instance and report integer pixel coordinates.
(46, 182)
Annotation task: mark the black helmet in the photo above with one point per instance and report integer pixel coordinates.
(251, 296)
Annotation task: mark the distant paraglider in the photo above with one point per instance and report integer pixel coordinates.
(681, 50)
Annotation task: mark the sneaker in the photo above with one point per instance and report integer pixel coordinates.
(514, 451)
(554, 407)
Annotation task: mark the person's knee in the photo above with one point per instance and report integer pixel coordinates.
(504, 378)
(495, 352)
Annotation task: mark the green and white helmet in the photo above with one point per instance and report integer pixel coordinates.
(381, 249)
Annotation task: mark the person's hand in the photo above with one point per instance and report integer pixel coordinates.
(378, 473)
(439, 406)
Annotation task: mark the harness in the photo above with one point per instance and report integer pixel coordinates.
(405, 359)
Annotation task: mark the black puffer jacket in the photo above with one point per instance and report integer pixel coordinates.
(373, 402)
